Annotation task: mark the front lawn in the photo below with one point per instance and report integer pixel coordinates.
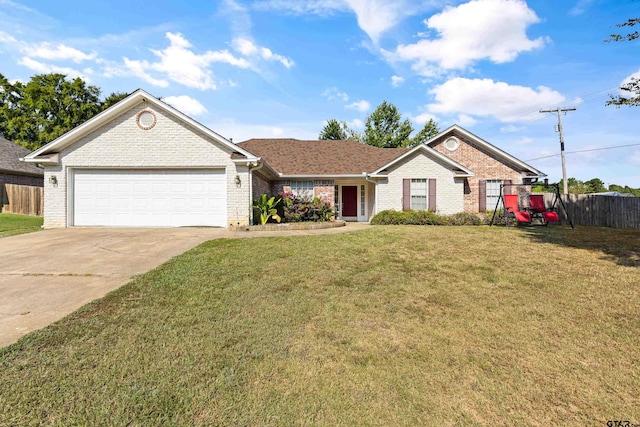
(11, 225)
(387, 326)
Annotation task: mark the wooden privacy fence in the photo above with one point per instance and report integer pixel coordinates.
(601, 211)
(22, 199)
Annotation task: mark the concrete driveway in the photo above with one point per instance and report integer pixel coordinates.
(47, 275)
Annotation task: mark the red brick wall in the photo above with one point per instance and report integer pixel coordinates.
(261, 185)
(482, 163)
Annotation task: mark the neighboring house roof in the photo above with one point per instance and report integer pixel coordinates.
(293, 157)
(10, 155)
(495, 151)
(613, 194)
(43, 154)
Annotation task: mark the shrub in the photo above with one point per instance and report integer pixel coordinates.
(266, 208)
(463, 218)
(300, 209)
(411, 217)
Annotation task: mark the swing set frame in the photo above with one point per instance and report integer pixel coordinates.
(553, 208)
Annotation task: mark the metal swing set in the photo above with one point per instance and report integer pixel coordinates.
(533, 210)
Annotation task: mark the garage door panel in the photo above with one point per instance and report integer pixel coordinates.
(149, 198)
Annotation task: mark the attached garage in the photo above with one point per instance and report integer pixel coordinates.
(142, 163)
(149, 198)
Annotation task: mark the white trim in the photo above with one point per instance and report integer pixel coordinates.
(489, 147)
(114, 111)
(455, 165)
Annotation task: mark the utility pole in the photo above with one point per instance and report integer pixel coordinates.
(564, 162)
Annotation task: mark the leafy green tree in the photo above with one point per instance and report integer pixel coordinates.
(385, 129)
(429, 130)
(339, 131)
(595, 185)
(631, 90)
(46, 107)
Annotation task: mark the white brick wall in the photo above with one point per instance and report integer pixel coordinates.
(449, 190)
(122, 144)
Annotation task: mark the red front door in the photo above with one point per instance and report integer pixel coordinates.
(349, 200)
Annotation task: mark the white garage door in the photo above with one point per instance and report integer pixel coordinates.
(149, 198)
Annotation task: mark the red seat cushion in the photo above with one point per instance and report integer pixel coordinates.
(522, 216)
(551, 217)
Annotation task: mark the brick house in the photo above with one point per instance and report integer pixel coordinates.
(143, 163)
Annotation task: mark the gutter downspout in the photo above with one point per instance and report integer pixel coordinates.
(375, 192)
(258, 165)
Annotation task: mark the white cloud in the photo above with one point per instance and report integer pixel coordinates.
(334, 93)
(248, 48)
(230, 128)
(42, 68)
(6, 38)
(466, 120)
(477, 30)
(59, 52)
(396, 81)
(487, 98)
(181, 65)
(423, 118)
(303, 7)
(136, 68)
(580, 7)
(361, 106)
(374, 17)
(511, 129)
(186, 104)
(356, 124)
(525, 140)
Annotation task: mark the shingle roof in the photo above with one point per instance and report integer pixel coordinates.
(10, 155)
(297, 157)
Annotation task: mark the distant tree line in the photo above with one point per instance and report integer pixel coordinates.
(49, 105)
(384, 128)
(595, 185)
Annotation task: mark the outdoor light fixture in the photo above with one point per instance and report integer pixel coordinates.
(53, 180)
(238, 181)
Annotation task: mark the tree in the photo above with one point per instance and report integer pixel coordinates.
(333, 130)
(385, 129)
(595, 185)
(46, 107)
(631, 89)
(339, 131)
(429, 130)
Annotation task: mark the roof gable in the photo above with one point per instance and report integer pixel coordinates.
(459, 169)
(116, 110)
(496, 152)
(10, 155)
(293, 157)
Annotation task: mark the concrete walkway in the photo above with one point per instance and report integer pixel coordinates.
(47, 275)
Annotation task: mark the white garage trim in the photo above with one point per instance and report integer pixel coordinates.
(147, 197)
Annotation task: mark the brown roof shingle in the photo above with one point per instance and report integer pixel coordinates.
(296, 157)
(10, 154)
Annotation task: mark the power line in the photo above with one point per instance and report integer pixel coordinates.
(584, 151)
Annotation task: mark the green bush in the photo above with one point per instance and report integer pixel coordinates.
(411, 217)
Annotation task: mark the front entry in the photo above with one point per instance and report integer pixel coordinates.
(349, 201)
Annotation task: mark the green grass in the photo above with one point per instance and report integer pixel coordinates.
(386, 326)
(11, 225)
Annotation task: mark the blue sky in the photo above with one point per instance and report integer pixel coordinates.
(281, 68)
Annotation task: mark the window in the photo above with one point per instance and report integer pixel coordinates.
(303, 189)
(493, 193)
(419, 200)
(362, 200)
(336, 200)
